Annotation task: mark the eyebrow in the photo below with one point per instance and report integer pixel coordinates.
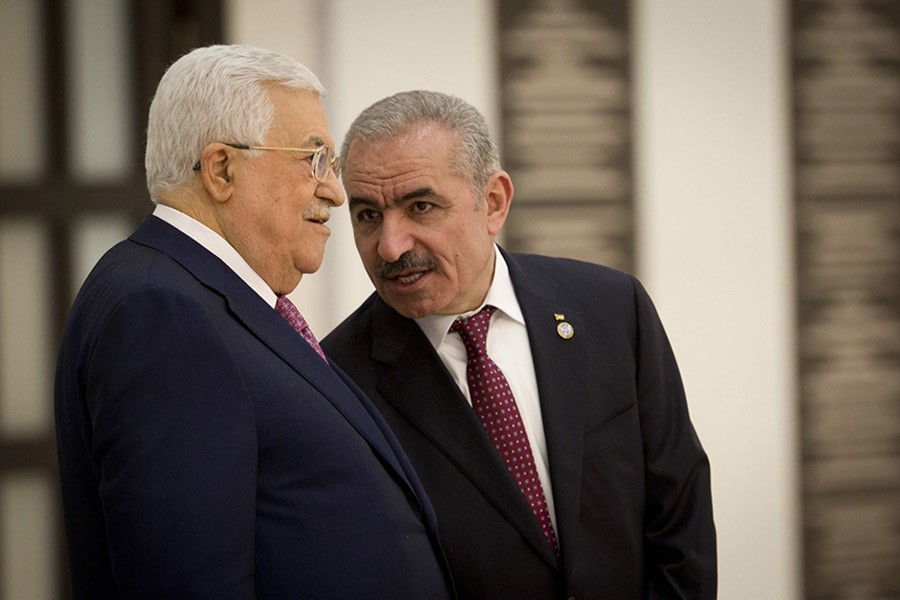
(314, 140)
(419, 193)
(404, 199)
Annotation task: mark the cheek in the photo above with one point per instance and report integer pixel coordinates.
(457, 249)
(468, 258)
(286, 230)
(366, 246)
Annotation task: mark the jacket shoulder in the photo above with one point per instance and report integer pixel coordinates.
(353, 332)
(572, 277)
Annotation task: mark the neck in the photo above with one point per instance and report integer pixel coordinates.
(195, 205)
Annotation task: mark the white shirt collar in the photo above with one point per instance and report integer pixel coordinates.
(501, 294)
(219, 246)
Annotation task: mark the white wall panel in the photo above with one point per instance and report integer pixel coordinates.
(292, 27)
(715, 251)
(92, 236)
(28, 538)
(101, 145)
(21, 90)
(26, 361)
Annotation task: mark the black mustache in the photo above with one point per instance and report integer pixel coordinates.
(407, 261)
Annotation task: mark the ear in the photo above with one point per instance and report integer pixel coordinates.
(498, 195)
(217, 169)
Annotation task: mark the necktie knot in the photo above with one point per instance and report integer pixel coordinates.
(289, 312)
(473, 331)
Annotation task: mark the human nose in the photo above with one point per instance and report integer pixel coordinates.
(331, 190)
(395, 240)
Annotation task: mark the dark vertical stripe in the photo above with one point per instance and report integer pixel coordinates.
(846, 108)
(566, 108)
(55, 86)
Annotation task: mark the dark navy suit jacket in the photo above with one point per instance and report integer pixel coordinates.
(630, 479)
(206, 451)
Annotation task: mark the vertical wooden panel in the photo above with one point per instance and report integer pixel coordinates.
(846, 60)
(566, 102)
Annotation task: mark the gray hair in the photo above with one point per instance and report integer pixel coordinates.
(477, 156)
(214, 94)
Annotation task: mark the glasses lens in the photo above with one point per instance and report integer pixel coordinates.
(336, 164)
(320, 163)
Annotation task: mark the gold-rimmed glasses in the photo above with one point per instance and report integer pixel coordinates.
(323, 158)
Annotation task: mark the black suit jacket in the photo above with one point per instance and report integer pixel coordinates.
(206, 451)
(630, 478)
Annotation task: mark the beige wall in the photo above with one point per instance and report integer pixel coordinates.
(715, 250)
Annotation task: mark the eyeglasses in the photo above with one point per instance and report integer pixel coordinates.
(323, 158)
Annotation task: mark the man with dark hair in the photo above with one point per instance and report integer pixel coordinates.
(538, 398)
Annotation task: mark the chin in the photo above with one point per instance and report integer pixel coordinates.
(410, 314)
(309, 265)
(411, 309)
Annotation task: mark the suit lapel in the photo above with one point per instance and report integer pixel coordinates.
(268, 326)
(561, 396)
(446, 419)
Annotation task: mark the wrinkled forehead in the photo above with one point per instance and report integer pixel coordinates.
(388, 179)
(300, 118)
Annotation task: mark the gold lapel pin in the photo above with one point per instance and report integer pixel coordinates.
(565, 330)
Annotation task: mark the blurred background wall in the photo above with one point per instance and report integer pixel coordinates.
(713, 181)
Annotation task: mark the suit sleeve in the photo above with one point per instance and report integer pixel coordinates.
(680, 541)
(174, 444)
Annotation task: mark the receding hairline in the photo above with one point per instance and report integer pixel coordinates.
(473, 151)
(407, 129)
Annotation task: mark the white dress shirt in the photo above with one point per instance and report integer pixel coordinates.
(216, 244)
(508, 346)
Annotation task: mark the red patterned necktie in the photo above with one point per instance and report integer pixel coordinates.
(289, 313)
(495, 407)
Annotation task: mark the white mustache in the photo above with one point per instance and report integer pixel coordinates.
(317, 213)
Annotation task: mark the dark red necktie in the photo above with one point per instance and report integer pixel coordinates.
(495, 407)
(289, 313)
